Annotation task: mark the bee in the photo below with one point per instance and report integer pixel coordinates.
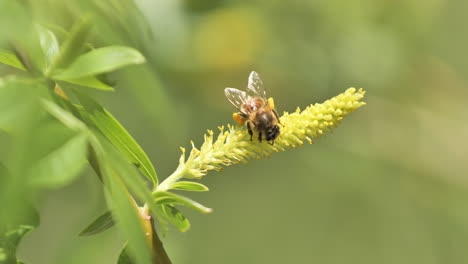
(256, 112)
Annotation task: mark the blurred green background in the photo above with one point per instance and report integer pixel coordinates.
(388, 186)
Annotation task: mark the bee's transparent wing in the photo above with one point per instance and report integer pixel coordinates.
(236, 97)
(255, 85)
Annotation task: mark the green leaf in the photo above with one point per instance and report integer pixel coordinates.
(15, 105)
(18, 102)
(17, 32)
(58, 31)
(117, 135)
(172, 198)
(9, 58)
(9, 242)
(124, 257)
(62, 153)
(126, 212)
(174, 216)
(189, 186)
(49, 44)
(127, 171)
(101, 60)
(163, 224)
(92, 82)
(127, 176)
(58, 95)
(101, 224)
(63, 116)
(23, 116)
(59, 158)
(73, 45)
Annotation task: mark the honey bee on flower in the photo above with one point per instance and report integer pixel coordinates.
(256, 111)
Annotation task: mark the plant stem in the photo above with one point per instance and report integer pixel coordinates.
(159, 253)
(173, 178)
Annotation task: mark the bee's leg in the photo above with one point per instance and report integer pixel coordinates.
(271, 104)
(260, 136)
(249, 129)
(272, 142)
(276, 115)
(239, 118)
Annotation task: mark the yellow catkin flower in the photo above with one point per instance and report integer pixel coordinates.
(233, 145)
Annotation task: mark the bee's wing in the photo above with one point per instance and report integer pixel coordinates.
(255, 85)
(236, 97)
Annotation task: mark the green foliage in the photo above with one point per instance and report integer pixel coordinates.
(9, 242)
(124, 257)
(65, 133)
(127, 213)
(9, 58)
(101, 224)
(57, 128)
(189, 186)
(91, 82)
(58, 162)
(95, 115)
(174, 216)
(100, 61)
(14, 106)
(172, 198)
(49, 45)
(73, 45)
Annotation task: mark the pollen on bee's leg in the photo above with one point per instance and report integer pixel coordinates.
(271, 103)
(239, 119)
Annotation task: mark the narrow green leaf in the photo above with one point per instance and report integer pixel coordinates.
(189, 186)
(128, 177)
(17, 33)
(101, 224)
(127, 172)
(101, 60)
(128, 181)
(49, 44)
(9, 242)
(9, 58)
(172, 198)
(126, 212)
(174, 216)
(163, 224)
(124, 257)
(63, 116)
(58, 31)
(57, 95)
(117, 135)
(62, 165)
(165, 199)
(91, 82)
(62, 153)
(73, 45)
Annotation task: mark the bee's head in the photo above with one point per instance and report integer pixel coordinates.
(272, 133)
